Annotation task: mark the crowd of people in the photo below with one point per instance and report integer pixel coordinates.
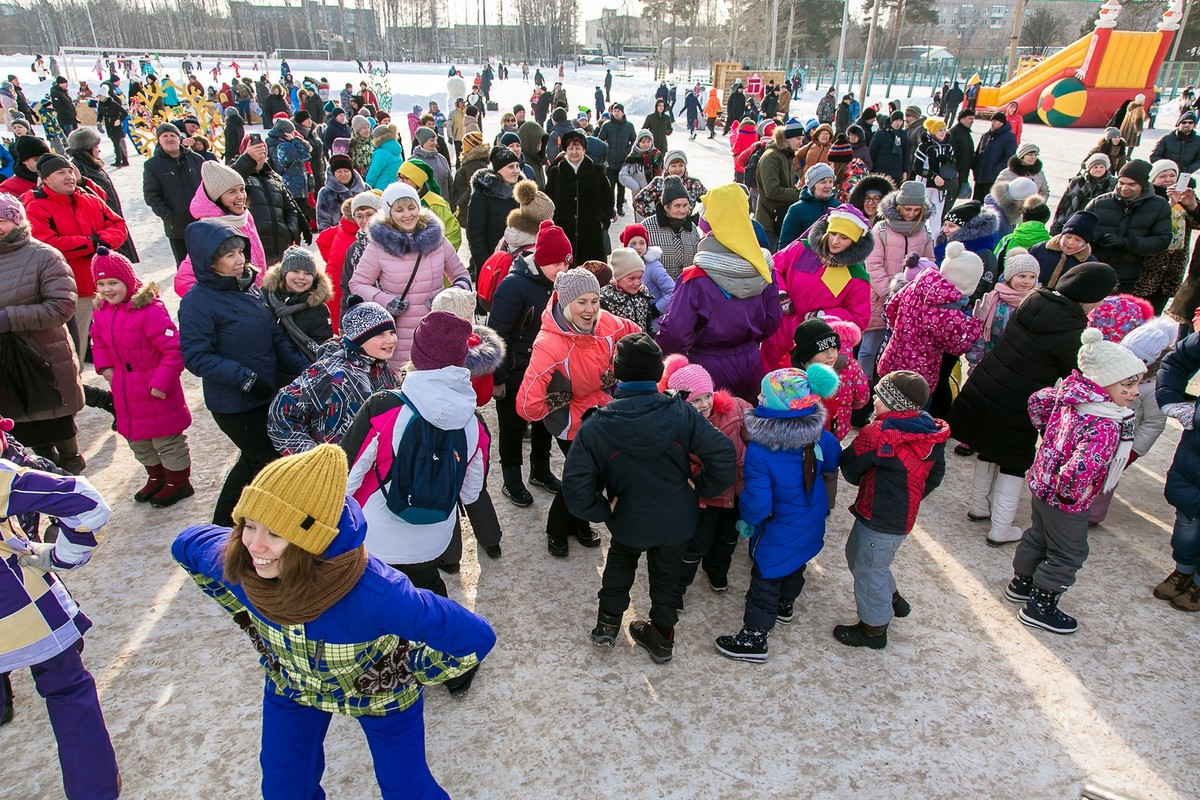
(867, 287)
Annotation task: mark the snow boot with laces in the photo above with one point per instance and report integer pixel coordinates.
(1189, 598)
(646, 635)
(541, 476)
(1041, 611)
(1173, 585)
(606, 630)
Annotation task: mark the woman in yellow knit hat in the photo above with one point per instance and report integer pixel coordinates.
(337, 630)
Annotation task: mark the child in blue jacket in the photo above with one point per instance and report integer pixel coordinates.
(783, 501)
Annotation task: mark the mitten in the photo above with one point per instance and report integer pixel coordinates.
(745, 529)
(259, 389)
(397, 307)
(1183, 412)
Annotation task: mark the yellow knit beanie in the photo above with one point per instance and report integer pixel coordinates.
(299, 497)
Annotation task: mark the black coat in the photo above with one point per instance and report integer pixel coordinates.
(113, 114)
(64, 109)
(1183, 478)
(964, 151)
(1143, 226)
(168, 185)
(235, 131)
(889, 153)
(487, 215)
(516, 315)
(995, 149)
(274, 104)
(952, 100)
(735, 106)
(583, 206)
(1183, 150)
(315, 107)
(841, 117)
(275, 213)
(1039, 346)
(637, 449)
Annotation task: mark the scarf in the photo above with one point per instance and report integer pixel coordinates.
(905, 227)
(1054, 245)
(1120, 458)
(733, 275)
(1003, 293)
(332, 581)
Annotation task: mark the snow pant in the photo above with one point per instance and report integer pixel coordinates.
(178, 249)
(712, 127)
(85, 752)
(248, 432)
(293, 751)
(1185, 543)
(1053, 548)
(613, 175)
(940, 395)
(868, 352)
(712, 545)
(512, 431)
(662, 566)
(169, 451)
(738, 368)
(869, 555)
(560, 522)
(119, 150)
(766, 594)
(484, 524)
(424, 575)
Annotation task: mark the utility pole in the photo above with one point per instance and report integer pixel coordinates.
(864, 84)
(1018, 15)
(837, 70)
(774, 30)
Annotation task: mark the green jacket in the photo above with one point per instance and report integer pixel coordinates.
(776, 178)
(1026, 235)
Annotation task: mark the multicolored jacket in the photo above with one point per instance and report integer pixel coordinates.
(1073, 456)
(638, 307)
(926, 321)
(38, 617)
(854, 391)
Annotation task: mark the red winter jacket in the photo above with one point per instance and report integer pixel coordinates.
(68, 223)
(333, 242)
(727, 416)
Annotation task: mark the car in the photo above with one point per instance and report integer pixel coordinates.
(594, 60)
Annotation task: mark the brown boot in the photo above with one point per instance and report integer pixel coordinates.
(1189, 598)
(1172, 586)
(155, 477)
(175, 488)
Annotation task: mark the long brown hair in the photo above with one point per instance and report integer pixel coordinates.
(297, 568)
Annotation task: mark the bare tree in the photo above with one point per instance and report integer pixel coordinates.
(615, 28)
(1041, 30)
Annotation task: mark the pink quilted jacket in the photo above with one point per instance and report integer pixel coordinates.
(925, 323)
(203, 208)
(887, 260)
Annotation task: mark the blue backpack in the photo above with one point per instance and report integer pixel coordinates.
(427, 473)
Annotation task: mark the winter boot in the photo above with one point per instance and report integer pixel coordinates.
(750, 644)
(514, 488)
(102, 399)
(861, 634)
(1173, 585)
(981, 492)
(540, 475)
(1006, 496)
(784, 614)
(177, 487)
(1189, 598)
(900, 606)
(557, 545)
(660, 647)
(1019, 589)
(1041, 611)
(156, 478)
(493, 551)
(606, 630)
(584, 533)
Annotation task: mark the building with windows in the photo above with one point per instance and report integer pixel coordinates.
(982, 28)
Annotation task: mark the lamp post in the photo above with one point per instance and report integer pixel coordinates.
(837, 70)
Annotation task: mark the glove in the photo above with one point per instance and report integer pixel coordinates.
(42, 559)
(745, 529)
(1109, 240)
(499, 390)
(1184, 413)
(259, 389)
(305, 232)
(397, 307)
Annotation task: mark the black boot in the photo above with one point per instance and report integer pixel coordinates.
(1042, 612)
(540, 475)
(750, 644)
(459, 686)
(514, 488)
(606, 630)
(862, 635)
(584, 533)
(900, 606)
(660, 647)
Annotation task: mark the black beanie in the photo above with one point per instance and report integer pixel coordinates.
(638, 358)
(26, 147)
(501, 157)
(51, 163)
(1090, 282)
(1136, 170)
(811, 337)
(964, 212)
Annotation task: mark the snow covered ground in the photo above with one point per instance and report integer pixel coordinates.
(965, 701)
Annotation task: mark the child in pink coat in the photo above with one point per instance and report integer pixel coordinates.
(135, 346)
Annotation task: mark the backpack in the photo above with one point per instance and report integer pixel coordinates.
(752, 165)
(427, 473)
(491, 272)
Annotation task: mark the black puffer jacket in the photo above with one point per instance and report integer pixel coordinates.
(168, 185)
(583, 206)
(1142, 226)
(1039, 346)
(64, 107)
(275, 214)
(1183, 150)
(487, 215)
(1082, 190)
(516, 315)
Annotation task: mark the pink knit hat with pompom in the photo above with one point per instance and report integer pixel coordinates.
(682, 376)
(111, 264)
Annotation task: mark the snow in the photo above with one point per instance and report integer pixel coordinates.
(964, 701)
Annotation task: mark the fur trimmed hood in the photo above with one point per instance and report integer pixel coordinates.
(399, 244)
(489, 183)
(786, 433)
(856, 253)
(141, 298)
(485, 355)
(319, 294)
(986, 223)
(1023, 170)
(1005, 202)
(870, 183)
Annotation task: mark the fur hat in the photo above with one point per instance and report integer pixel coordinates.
(440, 340)
(111, 264)
(903, 390)
(299, 497)
(813, 336)
(637, 358)
(1118, 315)
(798, 390)
(682, 376)
(383, 133)
(632, 231)
(962, 268)
(364, 320)
(1034, 209)
(83, 139)
(341, 146)
(552, 246)
(1016, 261)
(11, 208)
(572, 283)
(1106, 363)
(217, 179)
(534, 208)
(459, 302)
(625, 261)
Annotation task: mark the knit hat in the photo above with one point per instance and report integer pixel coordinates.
(672, 190)
(83, 138)
(440, 340)
(792, 129)
(359, 122)
(217, 179)
(50, 163)
(1118, 315)
(341, 146)
(1161, 166)
(1027, 148)
(301, 116)
(912, 111)
(1112, 133)
(283, 127)
(534, 207)
(637, 358)
(572, 283)
(385, 132)
(11, 208)
(364, 320)
(552, 246)
(1136, 170)
(1034, 209)
(840, 152)
(367, 199)
(795, 389)
(682, 376)
(1089, 282)
(1082, 224)
(398, 190)
(416, 171)
(817, 173)
(811, 337)
(299, 497)
(644, 133)
(471, 141)
(903, 390)
(966, 112)
(459, 302)
(964, 212)
(933, 125)
(1106, 363)
(340, 161)
(111, 264)
(962, 267)
(559, 115)
(507, 138)
(1016, 261)
(165, 127)
(632, 231)
(847, 222)
(1020, 188)
(674, 155)
(1097, 158)
(16, 118)
(297, 258)
(501, 157)
(998, 116)
(1149, 341)
(600, 269)
(423, 135)
(912, 193)
(625, 261)
(518, 108)
(1187, 116)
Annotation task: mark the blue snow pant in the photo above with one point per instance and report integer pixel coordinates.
(293, 751)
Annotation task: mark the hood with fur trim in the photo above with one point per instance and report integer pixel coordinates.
(1023, 170)
(987, 223)
(856, 253)
(786, 433)
(399, 244)
(321, 291)
(485, 356)
(141, 298)
(653, 253)
(872, 182)
(1005, 202)
(489, 183)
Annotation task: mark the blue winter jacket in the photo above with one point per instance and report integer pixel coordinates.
(385, 162)
(6, 163)
(288, 157)
(789, 519)
(1183, 478)
(226, 333)
(995, 149)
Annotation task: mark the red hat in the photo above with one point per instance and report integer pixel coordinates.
(108, 264)
(552, 246)
(440, 340)
(634, 229)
